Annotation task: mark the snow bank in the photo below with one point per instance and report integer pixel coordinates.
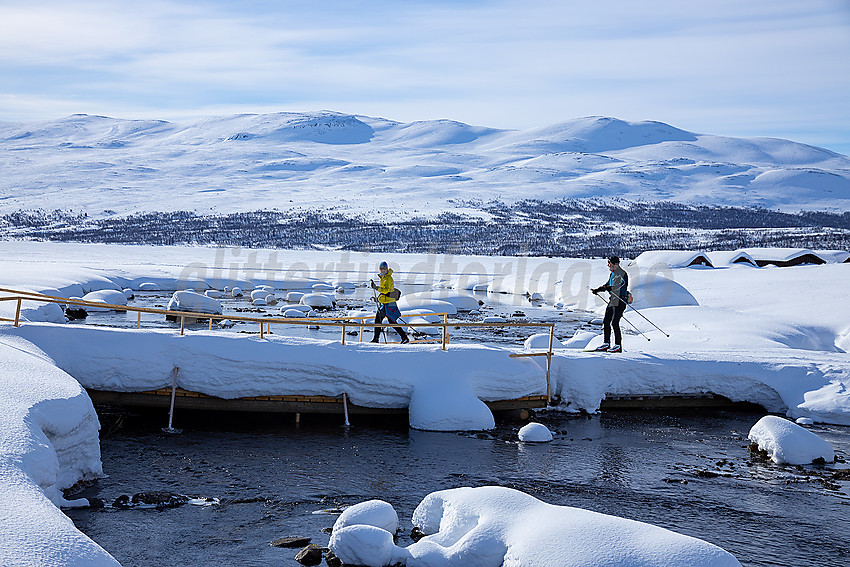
(786, 442)
(232, 366)
(48, 442)
(448, 404)
(493, 526)
(194, 302)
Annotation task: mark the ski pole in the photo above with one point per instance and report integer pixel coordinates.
(624, 319)
(377, 307)
(647, 320)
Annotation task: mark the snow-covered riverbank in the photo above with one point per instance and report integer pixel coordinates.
(773, 336)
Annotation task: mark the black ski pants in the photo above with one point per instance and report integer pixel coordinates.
(379, 318)
(612, 319)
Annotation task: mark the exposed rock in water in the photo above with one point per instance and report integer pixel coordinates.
(310, 555)
(158, 499)
(291, 542)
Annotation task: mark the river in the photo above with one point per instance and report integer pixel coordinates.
(689, 472)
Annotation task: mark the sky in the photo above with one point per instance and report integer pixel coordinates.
(778, 68)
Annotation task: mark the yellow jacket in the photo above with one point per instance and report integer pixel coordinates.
(385, 286)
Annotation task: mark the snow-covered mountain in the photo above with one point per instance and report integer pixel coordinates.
(358, 164)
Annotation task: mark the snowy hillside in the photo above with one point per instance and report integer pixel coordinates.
(354, 164)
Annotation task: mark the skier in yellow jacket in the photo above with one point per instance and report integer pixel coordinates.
(387, 306)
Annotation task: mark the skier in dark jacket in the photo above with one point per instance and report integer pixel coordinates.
(617, 286)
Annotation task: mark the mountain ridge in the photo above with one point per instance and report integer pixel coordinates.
(358, 164)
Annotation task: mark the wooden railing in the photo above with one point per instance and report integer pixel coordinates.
(265, 323)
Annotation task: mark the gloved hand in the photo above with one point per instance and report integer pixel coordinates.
(372, 283)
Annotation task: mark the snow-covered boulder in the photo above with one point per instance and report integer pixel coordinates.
(367, 546)
(540, 341)
(375, 513)
(293, 313)
(194, 302)
(344, 286)
(320, 287)
(424, 301)
(214, 293)
(534, 433)
(148, 286)
(128, 293)
(494, 319)
(318, 301)
(259, 302)
(295, 296)
(259, 294)
(462, 302)
(786, 442)
(236, 292)
(493, 526)
(108, 296)
(266, 288)
(580, 339)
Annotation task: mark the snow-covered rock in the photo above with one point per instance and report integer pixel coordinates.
(108, 296)
(494, 319)
(786, 442)
(236, 292)
(426, 299)
(295, 296)
(534, 433)
(259, 294)
(259, 302)
(493, 526)
(318, 300)
(128, 293)
(148, 286)
(213, 293)
(194, 302)
(320, 287)
(367, 546)
(293, 313)
(418, 301)
(540, 341)
(375, 513)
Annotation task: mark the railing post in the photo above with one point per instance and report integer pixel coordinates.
(445, 330)
(343, 333)
(269, 327)
(261, 329)
(210, 323)
(138, 319)
(18, 313)
(182, 324)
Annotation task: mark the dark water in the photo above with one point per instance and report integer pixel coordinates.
(273, 479)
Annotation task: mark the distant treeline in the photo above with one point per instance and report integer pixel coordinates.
(555, 228)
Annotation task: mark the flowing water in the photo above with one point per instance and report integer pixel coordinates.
(271, 478)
